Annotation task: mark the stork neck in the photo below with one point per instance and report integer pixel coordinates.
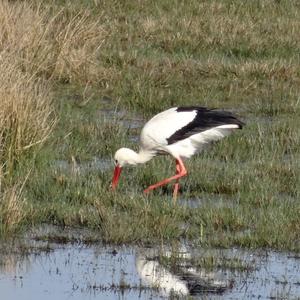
(144, 156)
(126, 156)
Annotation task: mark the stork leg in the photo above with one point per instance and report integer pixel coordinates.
(180, 172)
(176, 185)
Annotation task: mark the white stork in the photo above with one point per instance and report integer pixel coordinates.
(180, 132)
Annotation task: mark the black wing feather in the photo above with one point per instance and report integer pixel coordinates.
(205, 119)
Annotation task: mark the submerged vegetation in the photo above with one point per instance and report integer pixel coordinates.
(79, 77)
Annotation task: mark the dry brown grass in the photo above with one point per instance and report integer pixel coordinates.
(26, 112)
(61, 45)
(39, 45)
(12, 209)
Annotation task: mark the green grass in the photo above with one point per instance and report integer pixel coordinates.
(239, 56)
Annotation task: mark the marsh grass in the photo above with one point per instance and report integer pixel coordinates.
(59, 45)
(33, 53)
(26, 118)
(144, 58)
(13, 210)
(208, 262)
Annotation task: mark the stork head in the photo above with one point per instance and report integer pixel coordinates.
(123, 156)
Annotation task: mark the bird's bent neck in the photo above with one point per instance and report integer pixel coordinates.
(145, 156)
(141, 157)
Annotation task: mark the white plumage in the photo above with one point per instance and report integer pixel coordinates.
(180, 132)
(156, 131)
(190, 146)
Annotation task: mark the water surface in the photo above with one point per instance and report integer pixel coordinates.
(47, 270)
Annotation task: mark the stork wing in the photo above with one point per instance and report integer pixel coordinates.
(205, 119)
(163, 125)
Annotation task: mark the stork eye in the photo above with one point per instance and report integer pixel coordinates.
(116, 161)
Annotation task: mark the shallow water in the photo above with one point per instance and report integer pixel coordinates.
(122, 117)
(210, 201)
(45, 270)
(95, 164)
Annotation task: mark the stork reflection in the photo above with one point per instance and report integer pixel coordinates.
(183, 279)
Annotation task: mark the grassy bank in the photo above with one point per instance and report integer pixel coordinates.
(94, 71)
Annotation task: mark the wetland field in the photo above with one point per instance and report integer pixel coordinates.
(78, 81)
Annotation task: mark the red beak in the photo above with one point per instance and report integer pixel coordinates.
(115, 179)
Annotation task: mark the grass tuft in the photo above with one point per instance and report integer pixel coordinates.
(12, 210)
(26, 113)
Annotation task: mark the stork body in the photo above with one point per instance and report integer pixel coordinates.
(180, 132)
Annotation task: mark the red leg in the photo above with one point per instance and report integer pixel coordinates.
(182, 172)
(176, 185)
